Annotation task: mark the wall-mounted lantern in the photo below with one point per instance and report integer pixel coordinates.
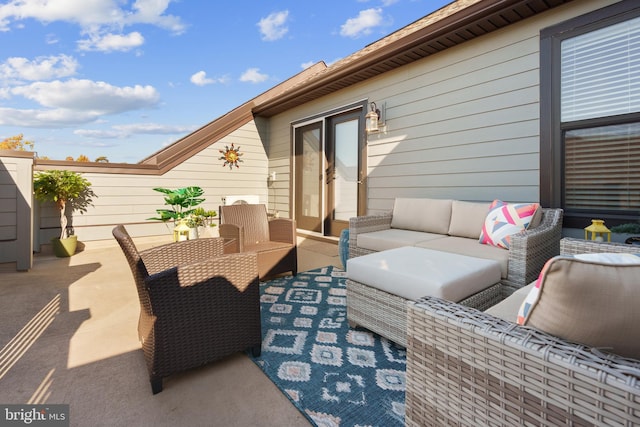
(374, 120)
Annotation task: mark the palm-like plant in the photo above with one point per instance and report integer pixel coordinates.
(182, 202)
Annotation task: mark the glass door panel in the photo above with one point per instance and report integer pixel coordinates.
(308, 151)
(342, 171)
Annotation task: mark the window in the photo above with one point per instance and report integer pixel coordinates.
(590, 116)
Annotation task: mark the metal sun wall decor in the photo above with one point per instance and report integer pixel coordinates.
(231, 156)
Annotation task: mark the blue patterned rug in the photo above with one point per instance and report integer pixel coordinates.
(335, 376)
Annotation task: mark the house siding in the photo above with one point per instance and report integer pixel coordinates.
(461, 124)
(128, 198)
(16, 202)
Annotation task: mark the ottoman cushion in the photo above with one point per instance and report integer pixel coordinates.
(411, 273)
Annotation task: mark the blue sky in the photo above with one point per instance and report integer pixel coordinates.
(123, 79)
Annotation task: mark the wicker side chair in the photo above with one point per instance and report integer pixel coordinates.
(468, 368)
(196, 304)
(273, 240)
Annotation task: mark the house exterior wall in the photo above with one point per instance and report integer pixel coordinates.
(129, 199)
(16, 201)
(461, 124)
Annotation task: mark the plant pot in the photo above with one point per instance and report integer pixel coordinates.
(63, 248)
(193, 233)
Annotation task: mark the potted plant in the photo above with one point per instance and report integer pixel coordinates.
(182, 201)
(200, 218)
(632, 230)
(65, 189)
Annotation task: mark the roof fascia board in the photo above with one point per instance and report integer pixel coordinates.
(455, 20)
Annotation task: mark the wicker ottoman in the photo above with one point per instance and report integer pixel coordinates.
(380, 284)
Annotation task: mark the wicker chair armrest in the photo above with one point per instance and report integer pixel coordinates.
(179, 253)
(282, 230)
(366, 224)
(530, 249)
(463, 364)
(232, 231)
(571, 246)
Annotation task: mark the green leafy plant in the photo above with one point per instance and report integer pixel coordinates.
(182, 202)
(631, 228)
(201, 217)
(64, 188)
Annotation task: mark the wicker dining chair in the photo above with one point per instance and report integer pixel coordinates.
(273, 240)
(196, 304)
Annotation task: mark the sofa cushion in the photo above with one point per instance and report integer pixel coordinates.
(591, 299)
(429, 215)
(507, 309)
(411, 273)
(505, 219)
(467, 218)
(469, 247)
(393, 238)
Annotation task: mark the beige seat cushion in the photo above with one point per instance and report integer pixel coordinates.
(393, 238)
(507, 309)
(429, 215)
(470, 247)
(593, 299)
(411, 273)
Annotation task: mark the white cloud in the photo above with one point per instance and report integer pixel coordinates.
(253, 75)
(75, 102)
(124, 131)
(41, 68)
(91, 14)
(34, 118)
(111, 42)
(362, 24)
(273, 26)
(87, 95)
(200, 79)
(98, 133)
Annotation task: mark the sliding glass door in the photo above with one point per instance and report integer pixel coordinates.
(329, 172)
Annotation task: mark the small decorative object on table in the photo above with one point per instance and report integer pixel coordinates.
(597, 231)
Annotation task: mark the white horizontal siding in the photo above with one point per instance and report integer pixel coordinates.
(461, 124)
(130, 199)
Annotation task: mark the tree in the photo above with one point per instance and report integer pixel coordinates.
(16, 142)
(101, 159)
(62, 187)
(82, 158)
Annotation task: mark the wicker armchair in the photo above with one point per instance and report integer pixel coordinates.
(468, 368)
(273, 240)
(196, 305)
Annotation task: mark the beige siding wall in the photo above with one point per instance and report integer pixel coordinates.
(462, 124)
(129, 198)
(16, 202)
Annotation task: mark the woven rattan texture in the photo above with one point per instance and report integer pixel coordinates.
(197, 305)
(386, 314)
(468, 368)
(249, 226)
(528, 251)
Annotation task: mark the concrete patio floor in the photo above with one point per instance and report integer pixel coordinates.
(69, 335)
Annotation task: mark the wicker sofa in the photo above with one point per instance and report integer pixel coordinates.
(454, 226)
(467, 367)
